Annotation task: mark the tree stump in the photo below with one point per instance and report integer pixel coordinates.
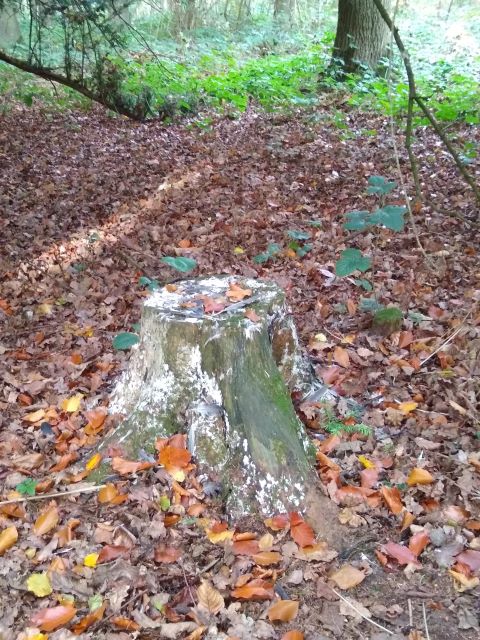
(216, 360)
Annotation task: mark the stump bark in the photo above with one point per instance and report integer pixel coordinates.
(224, 379)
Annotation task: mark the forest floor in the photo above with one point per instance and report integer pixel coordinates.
(89, 204)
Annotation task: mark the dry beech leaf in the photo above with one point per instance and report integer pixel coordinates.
(166, 555)
(36, 416)
(283, 611)
(209, 598)
(463, 583)
(407, 519)
(319, 552)
(8, 538)
(419, 476)
(89, 620)
(266, 558)
(277, 523)
(46, 521)
(197, 634)
(125, 467)
(111, 552)
(418, 542)
(348, 577)
(53, 617)
(266, 542)
(107, 493)
(125, 624)
(301, 532)
(174, 459)
(257, 589)
(252, 315)
(407, 407)
(341, 357)
(245, 547)
(401, 554)
(235, 293)
(470, 558)
(392, 497)
(293, 635)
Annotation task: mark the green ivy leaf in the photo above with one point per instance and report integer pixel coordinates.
(27, 487)
(416, 317)
(390, 216)
(365, 284)
(357, 220)
(271, 251)
(369, 304)
(180, 264)
(125, 340)
(380, 186)
(298, 235)
(302, 250)
(95, 602)
(352, 260)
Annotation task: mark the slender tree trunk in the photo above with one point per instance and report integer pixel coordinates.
(362, 36)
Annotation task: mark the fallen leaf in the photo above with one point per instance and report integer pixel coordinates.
(401, 554)
(245, 547)
(93, 462)
(53, 617)
(8, 538)
(392, 497)
(293, 635)
(107, 493)
(341, 357)
(283, 611)
(165, 554)
(111, 552)
(90, 619)
(463, 582)
(235, 293)
(72, 404)
(39, 584)
(175, 460)
(301, 532)
(348, 577)
(125, 624)
(419, 476)
(46, 521)
(91, 560)
(257, 589)
(470, 558)
(418, 542)
(407, 407)
(36, 416)
(277, 523)
(125, 467)
(266, 558)
(209, 598)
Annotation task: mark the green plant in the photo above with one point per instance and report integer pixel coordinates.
(335, 426)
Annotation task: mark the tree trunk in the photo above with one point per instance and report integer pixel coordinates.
(223, 379)
(362, 36)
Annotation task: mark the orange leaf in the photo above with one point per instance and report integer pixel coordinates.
(53, 617)
(173, 458)
(293, 635)
(36, 416)
(255, 590)
(246, 547)
(265, 558)
(301, 532)
(89, 620)
(419, 476)
(166, 555)
(348, 577)
(46, 521)
(8, 538)
(406, 338)
(418, 542)
(64, 462)
(125, 624)
(76, 358)
(107, 493)
(124, 467)
(236, 294)
(277, 523)
(111, 552)
(341, 357)
(96, 420)
(283, 610)
(392, 497)
(407, 520)
(252, 315)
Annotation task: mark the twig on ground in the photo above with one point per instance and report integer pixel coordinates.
(427, 633)
(362, 615)
(450, 338)
(58, 494)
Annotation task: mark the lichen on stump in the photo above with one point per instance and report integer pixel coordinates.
(224, 379)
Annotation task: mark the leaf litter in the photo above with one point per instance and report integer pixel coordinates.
(92, 205)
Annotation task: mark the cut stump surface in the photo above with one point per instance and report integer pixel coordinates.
(223, 378)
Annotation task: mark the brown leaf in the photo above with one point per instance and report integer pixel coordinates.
(283, 611)
(53, 617)
(470, 558)
(46, 521)
(236, 294)
(89, 620)
(418, 542)
(8, 538)
(392, 497)
(266, 558)
(293, 635)
(209, 598)
(125, 467)
(401, 554)
(252, 315)
(257, 589)
(107, 493)
(301, 532)
(111, 552)
(277, 523)
(166, 555)
(125, 624)
(245, 547)
(348, 577)
(341, 357)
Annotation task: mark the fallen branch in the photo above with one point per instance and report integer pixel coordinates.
(57, 494)
(414, 97)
